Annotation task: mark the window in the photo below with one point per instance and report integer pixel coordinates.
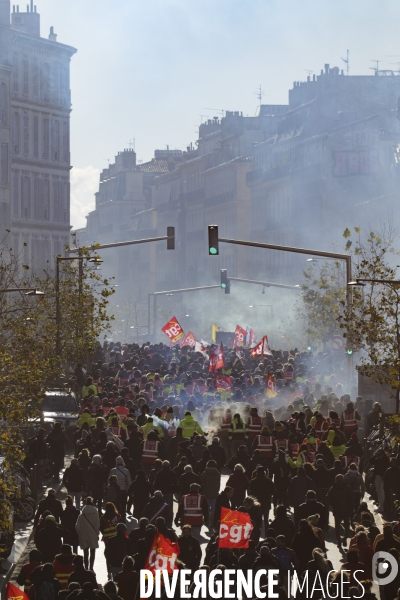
(3, 103)
(64, 85)
(65, 201)
(36, 198)
(15, 74)
(56, 200)
(26, 197)
(26, 134)
(16, 195)
(56, 83)
(25, 74)
(46, 138)
(46, 199)
(16, 133)
(55, 140)
(65, 142)
(35, 78)
(4, 163)
(36, 136)
(45, 81)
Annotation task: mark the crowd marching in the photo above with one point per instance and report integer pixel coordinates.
(161, 428)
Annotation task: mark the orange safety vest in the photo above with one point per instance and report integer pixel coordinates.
(307, 457)
(347, 460)
(225, 423)
(254, 425)
(150, 452)
(192, 512)
(334, 422)
(62, 572)
(320, 427)
(27, 569)
(349, 421)
(265, 444)
(282, 445)
(111, 527)
(295, 448)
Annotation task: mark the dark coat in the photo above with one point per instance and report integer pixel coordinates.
(166, 481)
(49, 503)
(68, 521)
(74, 479)
(341, 498)
(298, 488)
(190, 552)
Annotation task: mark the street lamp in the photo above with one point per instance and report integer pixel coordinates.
(28, 291)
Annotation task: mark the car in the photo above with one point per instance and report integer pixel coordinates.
(57, 405)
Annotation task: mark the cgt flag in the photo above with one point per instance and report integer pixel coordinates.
(173, 330)
(223, 383)
(240, 337)
(262, 348)
(217, 359)
(234, 529)
(14, 593)
(189, 340)
(163, 554)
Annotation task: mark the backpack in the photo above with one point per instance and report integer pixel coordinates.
(285, 558)
(46, 591)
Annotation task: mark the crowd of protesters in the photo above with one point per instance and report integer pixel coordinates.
(156, 432)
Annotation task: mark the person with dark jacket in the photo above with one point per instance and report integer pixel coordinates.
(167, 482)
(312, 507)
(173, 445)
(304, 543)
(190, 550)
(44, 581)
(128, 580)
(281, 472)
(217, 453)
(262, 488)
(49, 539)
(68, 521)
(51, 504)
(57, 442)
(341, 498)
(167, 532)
(283, 524)
(322, 480)
(241, 457)
(298, 488)
(117, 548)
(223, 501)
(63, 565)
(74, 481)
(24, 576)
(248, 558)
(157, 507)
(80, 574)
(139, 493)
(380, 461)
(187, 479)
(239, 483)
(97, 476)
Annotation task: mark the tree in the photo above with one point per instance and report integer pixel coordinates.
(371, 323)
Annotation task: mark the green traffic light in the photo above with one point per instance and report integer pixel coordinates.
(213, 251)
(349, 351)
(309, 348)
(223, 285)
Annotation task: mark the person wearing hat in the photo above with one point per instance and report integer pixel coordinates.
(49, 539)
(51, 504)
(63, 565)
(124, 481)
(116, 549)
(190, 426)
(193, 509)
(24, 576)
(312, 507)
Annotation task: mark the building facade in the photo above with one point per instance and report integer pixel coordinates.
(35, 101)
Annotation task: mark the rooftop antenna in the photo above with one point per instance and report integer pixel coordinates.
(220, 110)
(201, 117)
(132, 144)
(376, 69)
(395, 63)
(347, 62)
(259, 95)
(308, 71)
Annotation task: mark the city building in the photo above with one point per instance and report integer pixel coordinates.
(35, 107)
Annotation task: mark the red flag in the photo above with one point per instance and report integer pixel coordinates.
(240, 336)
(189, 340)
(271, 386)
(234, 529)
(217, 359)
(223, 383)
(262, 348)
(163, 554)
(173, 330)
(14, 593)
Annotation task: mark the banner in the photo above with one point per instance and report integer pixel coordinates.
(163, 554)
(199, 347)
(217, 359)
(14, 593)
(173, 330)
(214, 329)
(223, 383)
(189, 340)
(240, 336)
(234, 529)
(262, 348)
(271, 386)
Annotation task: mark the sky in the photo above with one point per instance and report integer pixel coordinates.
(150, 70)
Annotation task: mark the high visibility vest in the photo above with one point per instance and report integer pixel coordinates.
(320, 427)
(334, 422)
(349, 421)
(192, 512)
(306, 457)
(62, 572)
(238, 430)
(312, 447)
(265, 444)
(254, 425)
(295, 448)
(111, 527)
(225, 424)
(28, 569)
(282, 445)
(347, 460)
(150, 452)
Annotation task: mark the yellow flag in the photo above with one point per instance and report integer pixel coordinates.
(214, 329)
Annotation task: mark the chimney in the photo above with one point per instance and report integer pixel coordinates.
(52, 36)
(326, 69)
(5, 9)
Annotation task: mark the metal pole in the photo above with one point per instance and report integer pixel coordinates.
(267, 283)
(148, 314)
(119, 244)
(154, 318)
(58, 316)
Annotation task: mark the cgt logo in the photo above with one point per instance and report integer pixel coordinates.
(380, 566)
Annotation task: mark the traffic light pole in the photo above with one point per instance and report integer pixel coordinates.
(267, 283)
(170, 237)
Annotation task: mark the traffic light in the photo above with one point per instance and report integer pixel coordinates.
(170, 238)
(309, 348)
(225, 283)
(349, 351)
(213, 249)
